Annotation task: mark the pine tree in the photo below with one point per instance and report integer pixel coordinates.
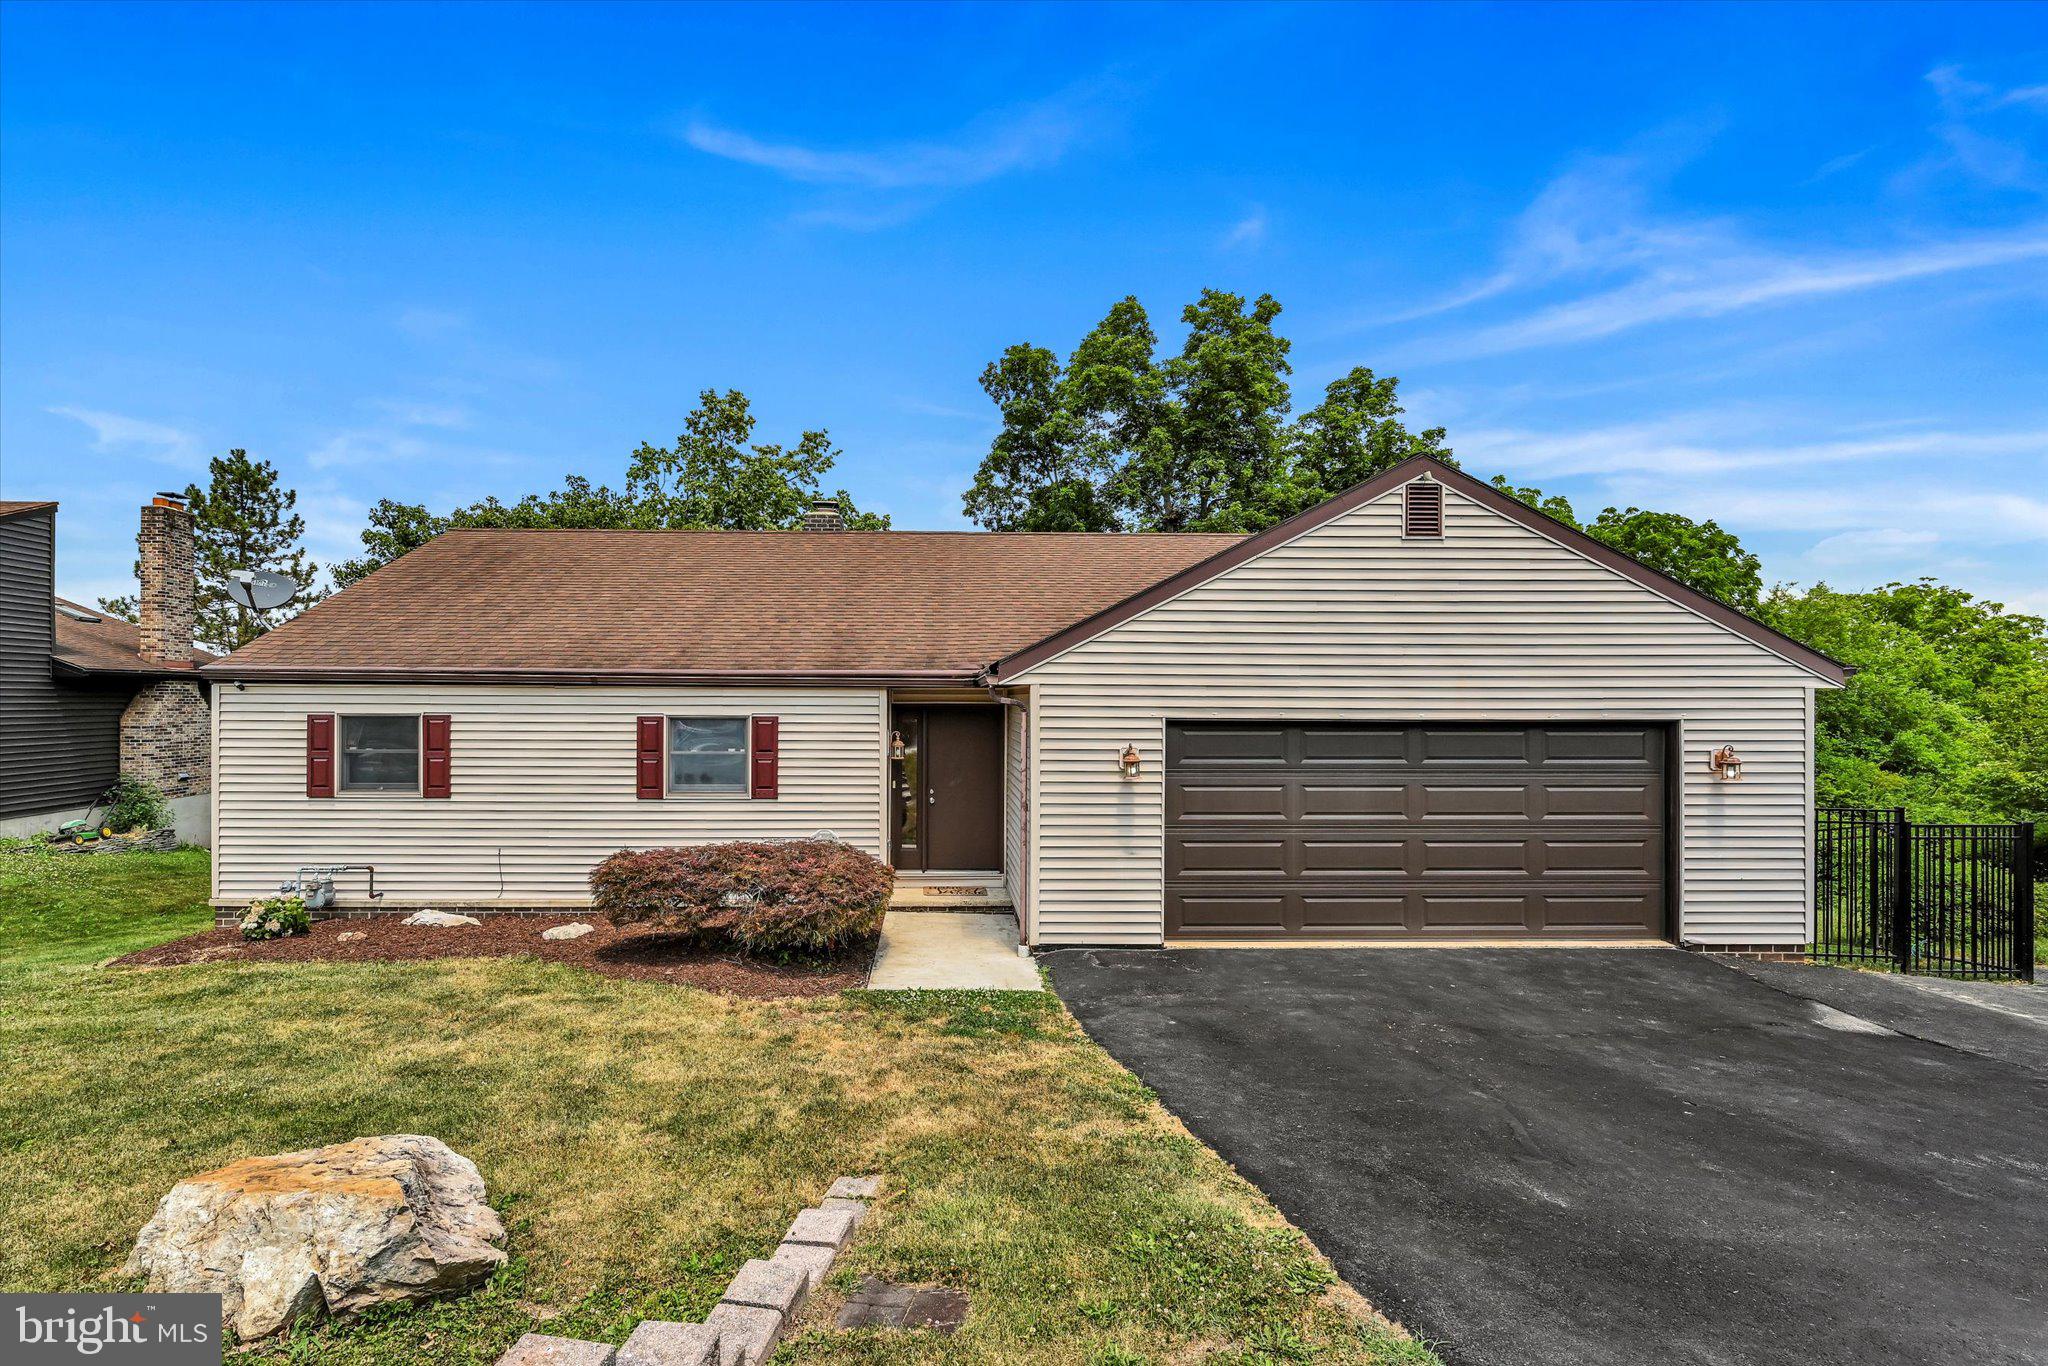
(243, 520)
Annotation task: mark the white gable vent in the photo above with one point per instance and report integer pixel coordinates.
(1422, 511)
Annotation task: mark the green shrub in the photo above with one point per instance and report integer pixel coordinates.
(763, 897)
(136, 805)
(275, 917)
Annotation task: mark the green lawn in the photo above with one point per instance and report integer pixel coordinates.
(641, 1141)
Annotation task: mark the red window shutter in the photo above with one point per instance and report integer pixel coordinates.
(320, 756)
(434, 773)
(767, 761)
(648, 767)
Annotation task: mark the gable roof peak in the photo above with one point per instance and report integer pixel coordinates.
(1394, 476)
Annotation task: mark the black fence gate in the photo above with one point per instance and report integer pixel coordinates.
(1947, 900)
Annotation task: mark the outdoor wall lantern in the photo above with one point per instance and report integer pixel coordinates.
(1725, 765)
(1129, 761)
(895, 744)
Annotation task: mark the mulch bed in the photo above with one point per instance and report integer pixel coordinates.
(648, 957)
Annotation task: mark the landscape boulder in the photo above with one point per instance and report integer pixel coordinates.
(444, 919)
(327, 1230)
(573, 931)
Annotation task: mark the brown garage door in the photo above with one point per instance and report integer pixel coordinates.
(1354, 831)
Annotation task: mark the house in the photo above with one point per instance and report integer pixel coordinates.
(86, 698)
(1419, 711)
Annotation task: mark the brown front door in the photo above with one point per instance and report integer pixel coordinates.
(1307, 830)
(946, 796)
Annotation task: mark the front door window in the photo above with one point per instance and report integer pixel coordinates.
(908, 772)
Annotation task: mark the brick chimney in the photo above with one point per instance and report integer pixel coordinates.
(165, 608)
(824, 516)
(164, 730)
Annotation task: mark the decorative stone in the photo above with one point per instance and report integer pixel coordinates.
(746, 1336)
(876, 1303)
(810, 1259)
(821, 1227)
(538, 1349)
(855, 1188)
(656, 1343)
(936, 1307)
(441, 918)
(768, 1285)
(350, 936)
(575, 931)
(333, 1229)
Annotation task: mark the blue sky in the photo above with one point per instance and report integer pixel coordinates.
(1785, 267)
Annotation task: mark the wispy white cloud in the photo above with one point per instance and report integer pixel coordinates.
(1593, 235)
(1722, 442)
(997, 144)
(405, 431)
(1834, 166)
(2031, 599)
(1709, 287)
(1856, 506)
(1950, 512)
(334, 524)
(1881, 545)
(417, 413)
(861, 217)
(1247, 232)
(1988, 134)
(115, 432)
(1593, 219)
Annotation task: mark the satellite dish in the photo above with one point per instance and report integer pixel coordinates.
(260, 589)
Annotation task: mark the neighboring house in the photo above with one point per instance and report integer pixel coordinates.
(86, 698)
(1418, 711)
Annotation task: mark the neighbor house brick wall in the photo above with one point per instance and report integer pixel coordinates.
(164, 737)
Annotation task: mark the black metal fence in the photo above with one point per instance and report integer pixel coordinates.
(1947, 900)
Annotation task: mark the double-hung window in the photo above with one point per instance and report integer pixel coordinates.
(707, 755)
(380, 754)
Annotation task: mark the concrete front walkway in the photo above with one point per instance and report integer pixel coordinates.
(944, 950)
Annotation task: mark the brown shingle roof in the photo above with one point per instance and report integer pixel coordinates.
(107, 646)
(887, 604)
(10, 508)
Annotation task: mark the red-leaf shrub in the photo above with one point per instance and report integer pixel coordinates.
(762, 896)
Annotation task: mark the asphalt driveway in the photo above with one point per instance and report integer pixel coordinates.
(1562, 1156)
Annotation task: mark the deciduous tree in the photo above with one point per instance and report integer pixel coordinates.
(1120, 438)
(710, 479)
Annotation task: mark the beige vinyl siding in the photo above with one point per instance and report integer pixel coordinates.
(1016, 726)
(1352, 622)
(543, 786)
